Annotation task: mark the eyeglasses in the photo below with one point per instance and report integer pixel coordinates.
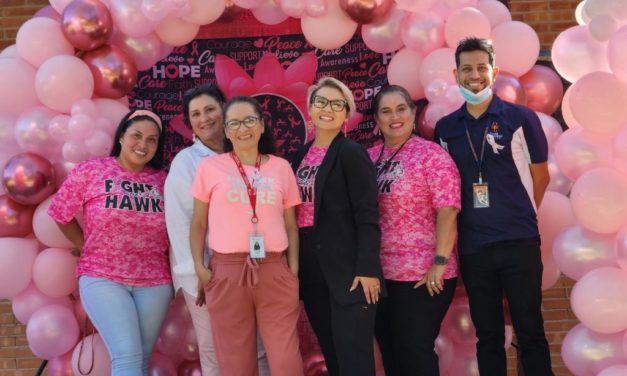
(248, 122)
(388, 112)
(337, 105)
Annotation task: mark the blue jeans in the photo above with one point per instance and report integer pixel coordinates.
(128, 319)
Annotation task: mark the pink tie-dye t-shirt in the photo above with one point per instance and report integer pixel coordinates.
(418, 181)
(124, 224)
(306, 177)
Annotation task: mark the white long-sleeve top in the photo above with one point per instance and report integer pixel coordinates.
(179, 205)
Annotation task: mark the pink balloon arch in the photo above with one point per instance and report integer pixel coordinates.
(63, 89)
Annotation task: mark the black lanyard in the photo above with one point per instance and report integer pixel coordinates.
(478, 160)
(387, 161)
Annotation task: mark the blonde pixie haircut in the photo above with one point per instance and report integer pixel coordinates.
(336, 84)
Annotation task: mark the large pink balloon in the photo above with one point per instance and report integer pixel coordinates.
(508, 88)
(365, 12)
(54, 272)
(586, 352)
(554, 216)
(204, 12)
(49, 12)
(128, 16)
(602, 27)
(16, 264)
(438, 64)
(60, 365)
(87, 24)
(516, 46)
(15, 218)
(544, 89)
(17, 86)
(577, 251)
(578, 151)
(423, 32)
(617, 53)
(404, 69)
(32, 299)
(111, 109)
(567, 113)
(41, 38)
(91, 351)
(599, 199)
(176, 32)
(114, 71)
(52, 331)
(457, 324)
(621, 248)
(615, 370)
(46, 229)
(329, 31)
(385, 35)
(269, 13)
(62, 80)
(496, 12)
(597, 102)
(550, 273)
(599, 302)
(173, 332)
(551, 127)
(464, 23)
(575, 53)
(28, 178)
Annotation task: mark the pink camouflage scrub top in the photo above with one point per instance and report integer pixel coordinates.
(124, 224)
(306, 178)
(420, 179)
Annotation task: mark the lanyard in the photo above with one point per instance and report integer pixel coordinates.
(478, 161)
(387, 161)
(250, 188)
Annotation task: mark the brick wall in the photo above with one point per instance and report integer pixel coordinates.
(548, 17)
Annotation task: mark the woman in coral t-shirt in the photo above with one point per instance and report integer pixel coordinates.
(247, 196)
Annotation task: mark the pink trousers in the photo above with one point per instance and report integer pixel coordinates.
(243, 297)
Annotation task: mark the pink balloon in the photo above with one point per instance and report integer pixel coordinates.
(495, 11)
(293, 8)
(329, 31)
(415, 5)
(59, 5)
(543, 88)
(616, 8)
(60, 365)
(554, 216)
(578, 151)
(617, 53)
(516, 46)
(550, 276)
(586, 353)
(438, 64)
(15, 218)
(10, 52)
(58, 128)
(46, 229)
(248, 4)
(445, 348)
(457, 323)
(62, 80)
(367, 12)
(32, 299)
(204, 12)
(83, 360)
(508, 88)
(423, 32)
(87, 24)
(74, 151)
(621, 248)
(161, 365)
(188, 348)
(52, 331)
(28, 178)
(602, 27)
(114, 71)
(599, 302)
(144, 50)
(111, 109)
(17, 86)
(576, 53)
(269, 13)
(189, 368)
(577, 251)
(84, 107)
(615, 370)
(599, 199)
(404, 69)
(41, 38)
(16, 261)
(49, 12)
(602, 96)
(54, 272)
(385, 35)
(551, 127)
(620, 148)
(316, 8)
(156, 10)
(436, 90)
(81, 126)
(465, 363)
(463, 23)
(99, 144)
(176, 32)
(31, 132)
(173, 332)
(128, 17)
(567, 113)
(436, 111)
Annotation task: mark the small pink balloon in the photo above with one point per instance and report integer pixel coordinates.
(445, 348)
(41, 38)
(586, 352)
(81, 126)
(615, 370)
(463, 23)
(155, 10)
(128, 16)
(7, 128)
(495, 11)
(174, 31)
(63, 80)
(508, 88)
(111, 109)
(15, 218)
(385, 35)
(415, 6)
(188, 348)
(16, 263)
(91, 354)
(617, 53)
(465, 363)
(544, 89)
(331, 30)
(436, 111)
(59, 5)
(365, 12)
(550, 274)
(517, 46)
(559, 182)
(60, 365)
(204, 12)
(98, 144)
(74, 151)
(173, 332)
(621, 248)
(423, 32)
(551, 127)
(54, 272)
(436, 90)
(599, 199)
(578, 151)
(293, 8)
(87, 24)
(52, 331)
(458, 324)
(161, 365)
(114, 71)
(84, 107)
(17, 86)
(404, 69)
(567, 113)
(46, 229)
(28, 178)
(31, 299)
(49, 12)
(247, 4)
(58, 128)
(269, 13)
(189, 368)
(576, 53)
(438, 64)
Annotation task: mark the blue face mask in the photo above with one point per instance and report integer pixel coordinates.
(475, 98)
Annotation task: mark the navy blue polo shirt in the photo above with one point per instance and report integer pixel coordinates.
(514, 139)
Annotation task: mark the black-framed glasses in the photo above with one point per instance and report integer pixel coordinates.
(248, 122)
(337, 105)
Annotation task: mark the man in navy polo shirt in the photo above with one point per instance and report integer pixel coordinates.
(501, 153)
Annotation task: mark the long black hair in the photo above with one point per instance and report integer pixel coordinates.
(266, 142)
(157, 161)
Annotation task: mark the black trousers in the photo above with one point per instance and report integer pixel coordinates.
(407, 324)
(345, 332)
(513, 267)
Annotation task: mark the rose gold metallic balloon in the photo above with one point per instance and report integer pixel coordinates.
(87, 24)
(15, 219)
(509, 89)
(114, 71)
(29, 178)
(366, 11)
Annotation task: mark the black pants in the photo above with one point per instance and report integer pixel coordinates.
(345, 331)
(513, 267)
(408, 322)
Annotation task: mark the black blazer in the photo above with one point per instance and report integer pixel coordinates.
(346, 232)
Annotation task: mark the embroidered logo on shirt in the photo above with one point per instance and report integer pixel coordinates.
(494, 135)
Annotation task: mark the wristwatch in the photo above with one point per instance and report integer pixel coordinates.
(440, 260)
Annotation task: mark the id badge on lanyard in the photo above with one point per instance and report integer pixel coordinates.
(480, 191)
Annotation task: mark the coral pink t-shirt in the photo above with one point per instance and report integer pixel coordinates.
(306, 177)
(219, 183)
(124, 224)
(416, 182)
